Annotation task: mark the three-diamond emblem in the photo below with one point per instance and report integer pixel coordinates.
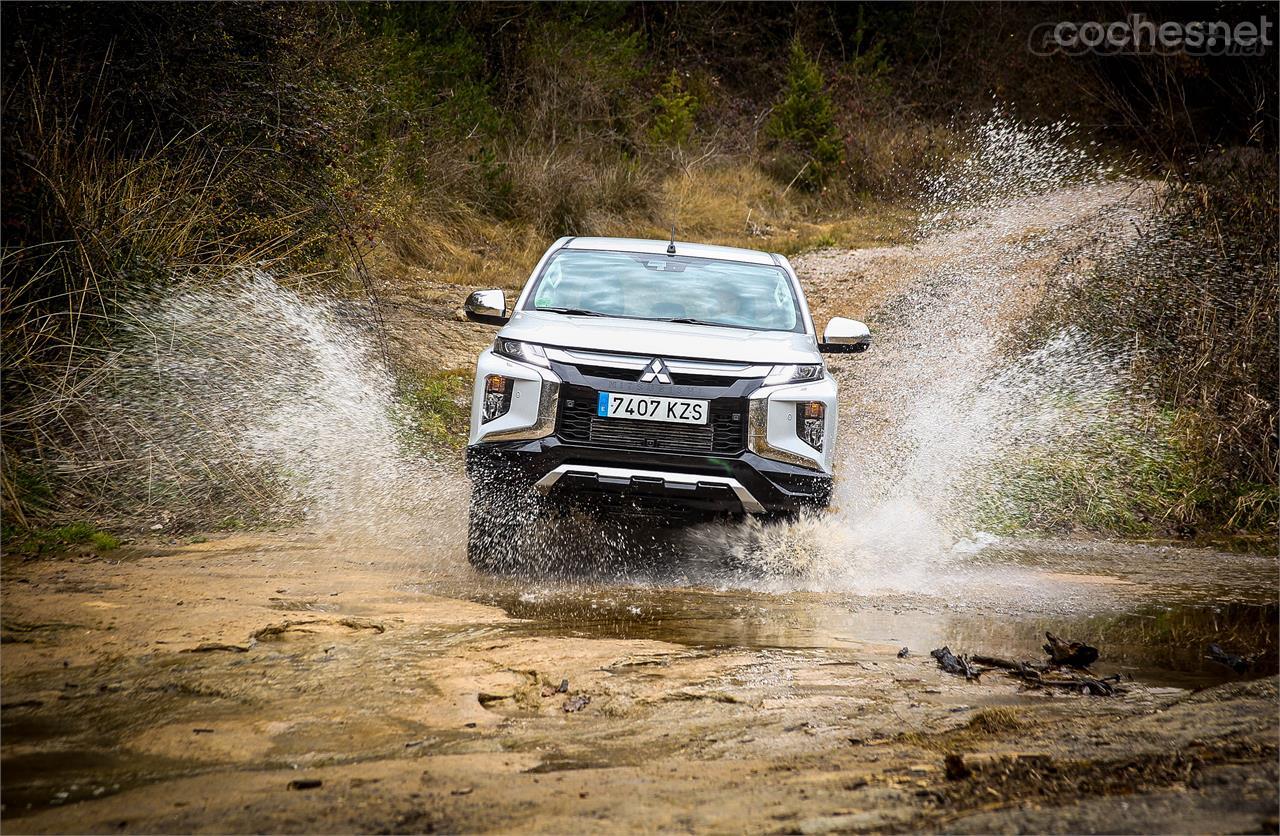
(656, 371)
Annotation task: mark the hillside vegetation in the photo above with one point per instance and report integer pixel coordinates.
(346, 143)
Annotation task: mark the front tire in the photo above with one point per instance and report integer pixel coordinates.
(501, 520)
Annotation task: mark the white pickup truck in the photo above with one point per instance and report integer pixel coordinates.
(631, 374)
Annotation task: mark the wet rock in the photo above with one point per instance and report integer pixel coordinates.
(314, 625)
(212, 647)
(562, 688)
(577, 703)
(305, 783)
(903, 653)
(1239, 664)
(955, 768)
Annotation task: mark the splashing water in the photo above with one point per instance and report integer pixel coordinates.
(943, 398)
(241, 393)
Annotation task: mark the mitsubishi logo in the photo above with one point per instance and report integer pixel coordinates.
(656, 371)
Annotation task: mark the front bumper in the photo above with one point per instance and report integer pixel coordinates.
(600, 477)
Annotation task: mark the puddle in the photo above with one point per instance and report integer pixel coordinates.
(1151, 610)
(1157, 645)
(37, 780)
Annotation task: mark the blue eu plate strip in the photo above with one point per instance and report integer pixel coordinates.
(602, 405)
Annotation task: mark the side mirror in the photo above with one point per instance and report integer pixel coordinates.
(487, 306)
(845, 336)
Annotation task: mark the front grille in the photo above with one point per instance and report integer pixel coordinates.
(684, 379)
(725, 433)
(678, 378)
(656, 435)
(610, 373)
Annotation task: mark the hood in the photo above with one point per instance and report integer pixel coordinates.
(668, 339)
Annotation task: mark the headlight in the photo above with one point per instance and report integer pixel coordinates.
(811, 419)
(497, 397)
(793, 374)
(522, 352)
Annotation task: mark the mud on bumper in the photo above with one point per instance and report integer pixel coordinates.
(605, 478)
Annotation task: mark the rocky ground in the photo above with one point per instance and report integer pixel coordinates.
(288, 683)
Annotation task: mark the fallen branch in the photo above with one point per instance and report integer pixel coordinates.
(1036, 676)
(951, 663)
(1072, 654)
(1102, 687)
(1006, 664)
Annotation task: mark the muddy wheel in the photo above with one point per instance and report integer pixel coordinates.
(490, 535)
(502, 520)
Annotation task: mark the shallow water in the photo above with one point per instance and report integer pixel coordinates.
(1152, 610)
(331, 693)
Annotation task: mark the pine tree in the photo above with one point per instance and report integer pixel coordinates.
(804, 121)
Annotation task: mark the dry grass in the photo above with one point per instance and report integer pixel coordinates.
(997, 720)
(729, 203)
(112, 230)
(736, 204)
(464, 248)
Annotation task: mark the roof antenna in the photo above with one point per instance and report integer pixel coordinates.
(671, 248)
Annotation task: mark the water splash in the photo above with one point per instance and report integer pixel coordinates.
(947, 394)
(239, 394)
(244, 392)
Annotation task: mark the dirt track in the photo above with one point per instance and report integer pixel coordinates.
(137, 700)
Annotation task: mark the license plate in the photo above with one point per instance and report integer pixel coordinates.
(651, 408)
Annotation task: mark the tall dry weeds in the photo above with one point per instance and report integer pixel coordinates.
(102, 231)
(1195, 301)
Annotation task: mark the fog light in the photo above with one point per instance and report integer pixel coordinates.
(811, 420)
(497, 397)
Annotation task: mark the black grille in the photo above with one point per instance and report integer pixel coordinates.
(725, 433)
(702, 379)
(610, 373)
(679, 378)
(641, 435)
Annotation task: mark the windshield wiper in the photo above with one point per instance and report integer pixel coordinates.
(688, 320)
(572, 311)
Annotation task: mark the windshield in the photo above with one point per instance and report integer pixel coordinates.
(673, 288)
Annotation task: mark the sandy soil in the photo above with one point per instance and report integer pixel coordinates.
(186, 688)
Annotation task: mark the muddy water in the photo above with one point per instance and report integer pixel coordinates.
(1151, 609)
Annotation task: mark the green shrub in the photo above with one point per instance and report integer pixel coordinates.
(803, 122)
(40, 540)
(1193, 301)
(434, 409)
(674, 110)
(578, 81)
